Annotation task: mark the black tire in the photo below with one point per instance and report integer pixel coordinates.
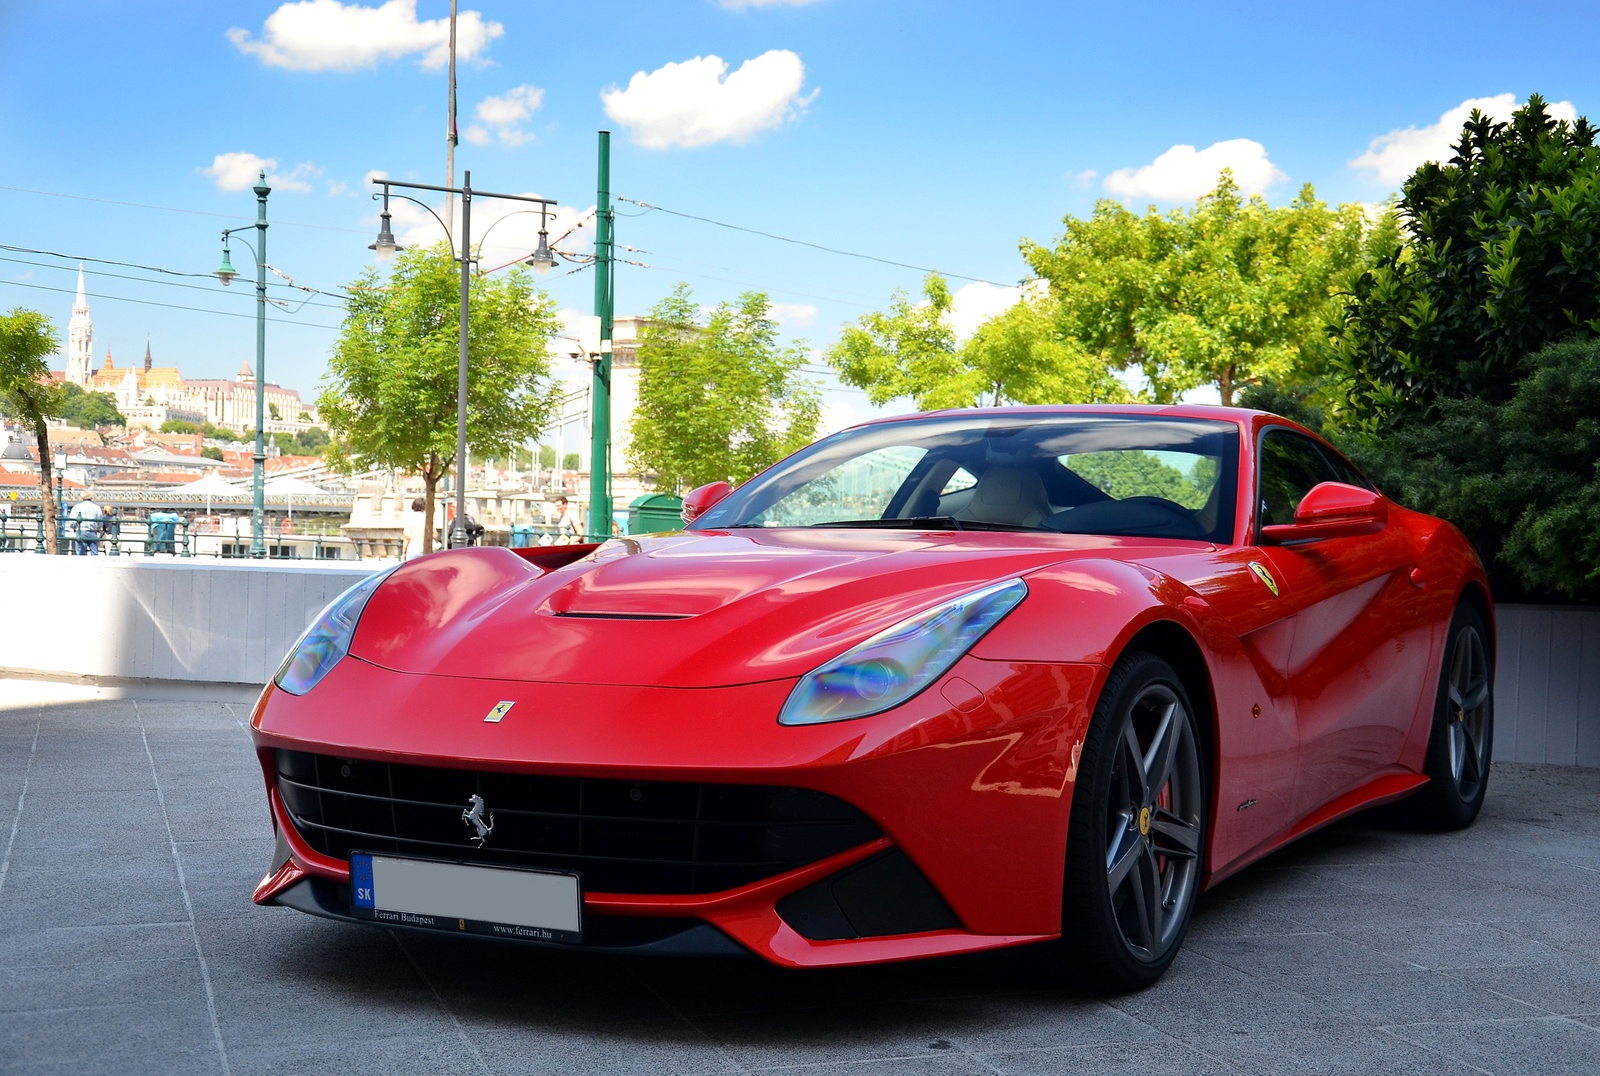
(1461, 743)
(1136, 843)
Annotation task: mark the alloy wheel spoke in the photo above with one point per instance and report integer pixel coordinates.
(1124, 856)
(1149, 886)
(1457, 743)
(1475, 695)
(1163, 751)
(1471, 758)
(1177, 838)
(1138, 780)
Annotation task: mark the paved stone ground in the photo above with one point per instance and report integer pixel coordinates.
(128, 944)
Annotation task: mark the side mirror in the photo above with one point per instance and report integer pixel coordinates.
(1332, 510)
(699, 500)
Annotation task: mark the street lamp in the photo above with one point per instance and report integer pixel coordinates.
(225, 273)
(385, 247)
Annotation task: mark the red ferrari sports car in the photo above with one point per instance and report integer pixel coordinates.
(940, 683)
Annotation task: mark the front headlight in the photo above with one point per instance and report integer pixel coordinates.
(327, 640)
(896, 664)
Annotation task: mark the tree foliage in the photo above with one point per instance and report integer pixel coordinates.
(718, 401)
(1018, 356)
(1521, 478)
(1230, 293)
(87, 410)
(27, 391)
(390, 394)
(1503, 257)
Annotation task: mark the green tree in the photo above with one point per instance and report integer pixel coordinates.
(1017, 356)
(1230, 293)
(547, 457)
(173, 425)
(390, 393)
(1521, 478)
(212, 453)
(571, 462)
(86, 410)
(1502, 258)
(719, 401)
(29, 393)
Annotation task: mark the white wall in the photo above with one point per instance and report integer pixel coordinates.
(163, 627)
(160, 626)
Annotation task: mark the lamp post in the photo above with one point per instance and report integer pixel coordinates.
(226, 273)
(541, 261)
(605, 309)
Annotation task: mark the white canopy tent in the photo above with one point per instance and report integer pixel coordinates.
(288, 486)
(209, 487)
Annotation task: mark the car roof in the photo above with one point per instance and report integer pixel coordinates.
(1215, 412)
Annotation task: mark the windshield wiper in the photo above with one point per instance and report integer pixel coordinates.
(937, 523)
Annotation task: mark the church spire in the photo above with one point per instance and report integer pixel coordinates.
(147, 353)
(80, 335)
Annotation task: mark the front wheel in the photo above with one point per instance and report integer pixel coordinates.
(1461, 743)
(1137, 835)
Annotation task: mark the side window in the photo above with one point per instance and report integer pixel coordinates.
(1290, 465)
(960, 480)
(1341, 466)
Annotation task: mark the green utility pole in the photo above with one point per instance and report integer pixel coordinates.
(605, 309)
(258, 547)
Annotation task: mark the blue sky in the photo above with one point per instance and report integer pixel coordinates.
(935, 134)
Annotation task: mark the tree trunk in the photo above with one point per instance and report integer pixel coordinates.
(41, 433)
(430, 483)
(1225, 385)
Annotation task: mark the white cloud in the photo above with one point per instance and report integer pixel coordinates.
(1391, 158)
(836, 415)
(239, 171)
(1183, 173)
(337, 187)
(696, 103)
(326, 35)
(795, 315)
(501, 117)
(1085, 178)
(976, 303)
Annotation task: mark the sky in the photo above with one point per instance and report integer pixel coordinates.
(933, 135)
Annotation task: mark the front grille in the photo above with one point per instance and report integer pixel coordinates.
(623, 836)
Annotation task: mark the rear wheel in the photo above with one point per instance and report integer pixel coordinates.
(1137, 836)
(1461, 744)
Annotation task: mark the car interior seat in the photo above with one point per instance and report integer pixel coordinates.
(1009, 495)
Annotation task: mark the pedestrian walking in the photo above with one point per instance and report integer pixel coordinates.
(415, 526)
(85, 519)
(568, 525)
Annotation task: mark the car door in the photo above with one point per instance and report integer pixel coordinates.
(1360, 642)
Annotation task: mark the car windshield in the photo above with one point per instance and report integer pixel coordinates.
(1123, 475)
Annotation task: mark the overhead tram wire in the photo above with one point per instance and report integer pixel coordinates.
(164, 283)
(806, 243)
(151, 269)
(169, 306)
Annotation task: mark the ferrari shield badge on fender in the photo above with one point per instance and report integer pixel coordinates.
(1255, 566)
(501, 709)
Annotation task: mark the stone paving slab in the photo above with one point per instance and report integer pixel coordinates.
(128, 944)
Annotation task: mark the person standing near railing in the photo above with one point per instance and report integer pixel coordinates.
(85, 518)
(5, 523)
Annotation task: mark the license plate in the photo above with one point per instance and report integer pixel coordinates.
(504, 902)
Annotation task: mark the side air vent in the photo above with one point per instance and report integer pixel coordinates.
(880, 896)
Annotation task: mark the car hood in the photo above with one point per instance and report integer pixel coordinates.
(697, 609)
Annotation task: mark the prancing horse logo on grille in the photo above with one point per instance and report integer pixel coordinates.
(475, 816)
